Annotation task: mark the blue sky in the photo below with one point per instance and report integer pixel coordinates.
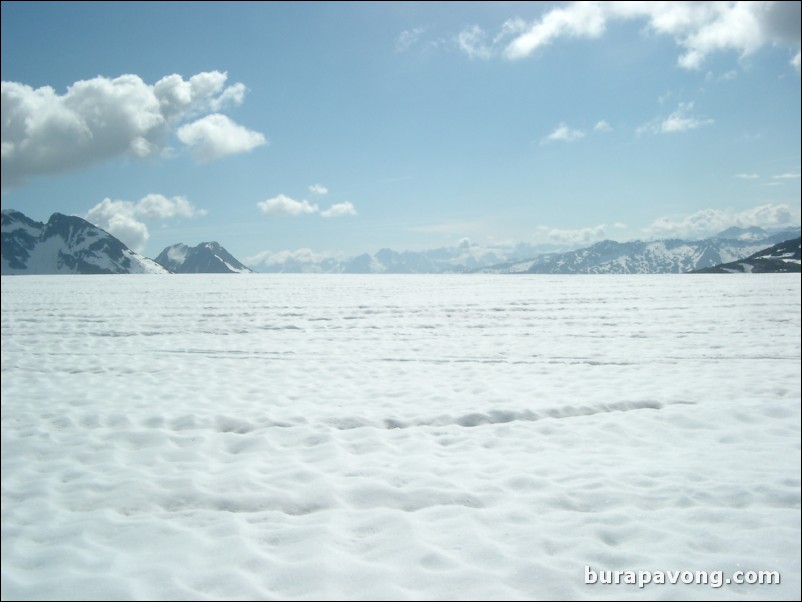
(347, 127)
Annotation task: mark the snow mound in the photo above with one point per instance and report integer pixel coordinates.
(356, 437)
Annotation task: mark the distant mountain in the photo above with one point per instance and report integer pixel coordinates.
(205, 258)
(66, 245)
(753, 233)
(70, 245)
(609, 257)
(782, 257)
(459, 259)
(639, 257)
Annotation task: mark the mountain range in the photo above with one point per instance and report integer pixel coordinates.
(782, 257)
(605, 257)
(671, 256)
(71, 245)
(66, 245)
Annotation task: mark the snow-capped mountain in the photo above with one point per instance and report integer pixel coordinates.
(782, 257)
(205, 258)
(66, 245)
(639, 257)
(661, 256)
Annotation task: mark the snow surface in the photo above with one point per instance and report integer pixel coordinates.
(397, 437)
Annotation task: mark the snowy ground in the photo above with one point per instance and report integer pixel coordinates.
(420, 437)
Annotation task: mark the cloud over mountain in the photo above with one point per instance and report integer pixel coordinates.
(707, 222)
(126, 219)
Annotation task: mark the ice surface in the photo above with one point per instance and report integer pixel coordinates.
(397, 437)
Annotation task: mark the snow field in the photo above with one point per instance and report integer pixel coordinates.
(397, 437)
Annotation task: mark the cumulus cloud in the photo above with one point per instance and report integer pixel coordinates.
(318, 189)
(602, 126)
(579, 236)
(158, 206)
(126, 219)
(283, 205)
(233, 95)
(339, 210)
(116, 219)
(795, 61)
(681, 120)
(581, 19)
(562, 133)
(708, 222)
(216, 136)
(698, 28)
(44, 132)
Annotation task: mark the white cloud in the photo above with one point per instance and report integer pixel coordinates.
(408, 38)
(786, 176)
(158, 206)
(282, 205)
(563, 133)
(708, 222)
(795, 61)
(602, 126)
(132, 232)
(747, 176)
(234, 96)
(126, 219)
(339, 210)
(117, 218)
(216, 136)
(318, 189)
(698, 28)
(579, 236)
(44, 132)
(178, 97)
(581, 19)
(680, 120)
(473, 42)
